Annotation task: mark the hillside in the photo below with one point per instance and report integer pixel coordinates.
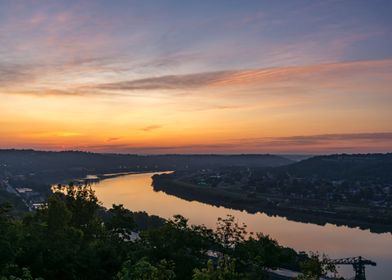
(358, 167)
(69, 164)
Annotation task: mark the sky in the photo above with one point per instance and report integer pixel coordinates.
(174, 76)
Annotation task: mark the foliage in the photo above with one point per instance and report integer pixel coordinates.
(144, 270)
(121, 221)
(229, 233)
(315, 267)
(73, 237)
(225, 270)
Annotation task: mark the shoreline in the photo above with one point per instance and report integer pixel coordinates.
(237, 201)
(95, 178)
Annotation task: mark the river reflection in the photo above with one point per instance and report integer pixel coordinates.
(136, 193)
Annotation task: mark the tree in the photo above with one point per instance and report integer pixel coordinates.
(258, 254)
(7, 252)
(81, 198)
(229, 233)
(225, 270)
(177, 241)
(16, 273)
(316, 266)
(121, 221)
(58, 216)
(73, 237)
(144, 270)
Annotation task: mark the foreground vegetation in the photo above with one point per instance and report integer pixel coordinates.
(73, 237)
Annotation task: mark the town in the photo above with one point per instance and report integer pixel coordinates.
(255, 181)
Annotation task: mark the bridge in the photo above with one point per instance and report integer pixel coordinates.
(358, 264)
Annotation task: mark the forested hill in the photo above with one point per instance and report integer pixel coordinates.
(20, 162)
(358, 167)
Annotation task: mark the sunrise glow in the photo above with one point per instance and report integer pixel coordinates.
(255, 77)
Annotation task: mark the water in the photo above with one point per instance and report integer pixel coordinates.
(136, 193)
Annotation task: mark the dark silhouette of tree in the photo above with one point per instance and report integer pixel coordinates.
(74, 237)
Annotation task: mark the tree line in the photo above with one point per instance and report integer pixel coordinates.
(74, 237)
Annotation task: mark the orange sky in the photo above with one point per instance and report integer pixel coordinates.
(69, 80)
(244, 111)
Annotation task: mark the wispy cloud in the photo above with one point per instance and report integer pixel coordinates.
(167, 82)
(385, 137)
(372, 75)
(151, 127)
(241, 77)
(323, 143)
(111, 139)
(11, 74)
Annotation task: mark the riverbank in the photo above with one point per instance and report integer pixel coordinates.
(292, 209)
(95, 178)
(136, 193)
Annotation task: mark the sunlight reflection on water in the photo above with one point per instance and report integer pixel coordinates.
(136, 193)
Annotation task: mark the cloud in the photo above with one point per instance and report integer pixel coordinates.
(292, 80)
(128, 148)
(11, 74)
(167, 82)
(151, 127)
(57, 78)
(323, 143)
(111, 139)
(314, 144)
(252, 76)
(325, 139)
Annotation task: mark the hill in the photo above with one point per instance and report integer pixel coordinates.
(354, 167)
(69, 164)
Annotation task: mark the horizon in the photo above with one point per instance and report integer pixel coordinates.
(200, 154)
(193, 77)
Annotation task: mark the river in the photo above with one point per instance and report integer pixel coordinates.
(136, 193)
